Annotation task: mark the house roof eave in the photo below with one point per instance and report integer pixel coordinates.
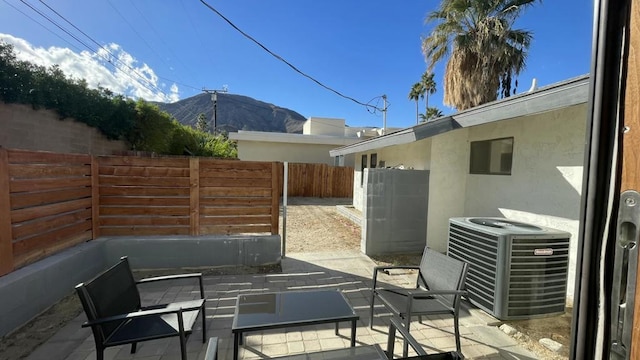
(555, 96)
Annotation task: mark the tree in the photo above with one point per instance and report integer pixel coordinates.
(415, 94)
(201, 123)
(430, 114)
(428, 88)
(486, 53)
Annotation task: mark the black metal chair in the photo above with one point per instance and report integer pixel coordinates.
(439, 287)
(113, 307)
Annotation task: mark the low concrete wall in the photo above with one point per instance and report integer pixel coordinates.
(28, 291)
(184, 251)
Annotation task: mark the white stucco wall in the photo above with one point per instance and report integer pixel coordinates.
(447, 185)
(291, 152)
(324, 126)
(544, 187)
(415, 155)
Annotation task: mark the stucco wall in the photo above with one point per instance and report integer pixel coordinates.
(447, 185)
(21, 127)
(544, 187)
(324, 126)
(302, 153)
(415, 156)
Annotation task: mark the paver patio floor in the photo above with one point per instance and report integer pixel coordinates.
(348, 271)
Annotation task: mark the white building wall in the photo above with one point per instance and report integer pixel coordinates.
(324, 126)
(301, 152)
(544, 187)
(447, 185)
(415, 155)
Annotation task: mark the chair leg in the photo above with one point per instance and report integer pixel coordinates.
(183, 346)
(405, 347)
(457, 331)
(133, 347)
(99, 354)
(204, 323)
(373, 298)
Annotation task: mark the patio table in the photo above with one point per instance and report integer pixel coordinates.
(291, 308)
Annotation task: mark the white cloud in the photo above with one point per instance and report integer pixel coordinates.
(128, 77)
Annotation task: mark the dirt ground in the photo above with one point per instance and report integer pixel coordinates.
(313, 225)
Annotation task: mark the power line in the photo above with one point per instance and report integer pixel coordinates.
(146, 84)
(41, 24)
(285, 61)
(150, 25)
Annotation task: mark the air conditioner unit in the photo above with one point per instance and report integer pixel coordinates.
(516, 270)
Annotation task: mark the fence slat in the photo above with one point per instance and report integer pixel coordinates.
(275, 198)
(41, 225)
(95, 198)
(194, 197)
(27, 214)
(32, 199)
(143, 220)
(6, 238)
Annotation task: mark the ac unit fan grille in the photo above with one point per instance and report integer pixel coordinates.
(537, 283)
(512, 274)
(479, 250)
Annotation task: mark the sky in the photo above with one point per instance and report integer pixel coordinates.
(167, 50)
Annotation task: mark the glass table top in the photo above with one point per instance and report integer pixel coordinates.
(290, 308)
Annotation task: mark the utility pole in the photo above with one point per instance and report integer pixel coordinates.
(384, 114)
(214, 98)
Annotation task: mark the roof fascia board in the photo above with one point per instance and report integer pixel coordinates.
(291, 138)
(568, 93)
(551, 98)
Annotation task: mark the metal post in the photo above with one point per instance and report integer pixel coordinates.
(285, 189)
(214, 96)
(384, 114)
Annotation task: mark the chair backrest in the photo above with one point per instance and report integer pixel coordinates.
(440, 272)
(113, 292)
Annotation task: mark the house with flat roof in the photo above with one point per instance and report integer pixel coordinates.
(519, 158)
(319, 136)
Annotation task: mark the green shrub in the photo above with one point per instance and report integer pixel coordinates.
(141, 124)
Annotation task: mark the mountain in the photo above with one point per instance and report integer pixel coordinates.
(235, 112)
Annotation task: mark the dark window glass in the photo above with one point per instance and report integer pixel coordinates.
(491, 157)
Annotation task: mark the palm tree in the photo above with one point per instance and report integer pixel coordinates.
(431, 113)
(486, 54)
(415, 94)
(428, 87)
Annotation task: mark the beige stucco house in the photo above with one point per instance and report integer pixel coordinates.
(519, 158)
(319, 136)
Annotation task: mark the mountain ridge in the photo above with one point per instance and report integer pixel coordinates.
(235, 112)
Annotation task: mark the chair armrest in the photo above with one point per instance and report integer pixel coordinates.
(142, 313)
(175, 277)
(377, 269)
(393, 267)
(169, 277)
(416, 294)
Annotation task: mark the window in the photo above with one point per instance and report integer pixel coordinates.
(491, 157)
(374, 160)
(363, 165)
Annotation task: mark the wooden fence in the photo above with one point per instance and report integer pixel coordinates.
(319, 180)
(50, 201)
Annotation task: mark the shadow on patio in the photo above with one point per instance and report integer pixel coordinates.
(348, 271)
